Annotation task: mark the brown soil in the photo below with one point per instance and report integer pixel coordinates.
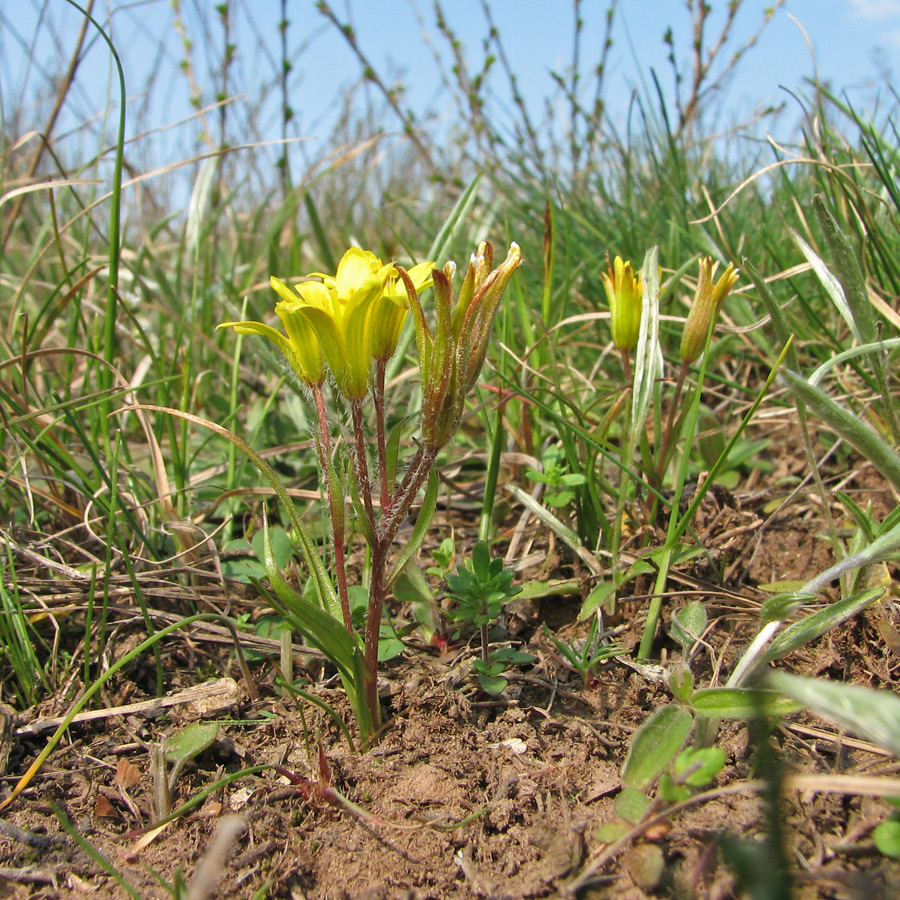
(464, 795)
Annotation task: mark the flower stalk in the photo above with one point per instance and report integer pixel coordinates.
(348, 326)
(708, 299)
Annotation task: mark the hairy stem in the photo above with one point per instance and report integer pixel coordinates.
(380, 367)
(390, 523)
(361, 464)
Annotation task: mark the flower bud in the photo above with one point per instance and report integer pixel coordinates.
(625, 294)
(708, 301)
(451, 356)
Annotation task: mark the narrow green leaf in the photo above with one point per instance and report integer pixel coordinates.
(871, 714)
(798, 634)
(849, 271)
(832, 286)
(741, 703)
(420, 529)
(848, 425)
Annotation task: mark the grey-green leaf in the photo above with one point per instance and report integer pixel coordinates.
(688, 624)
(816, 624)
(741, 703)
(655, 744)
(871, 714)
(190, 741)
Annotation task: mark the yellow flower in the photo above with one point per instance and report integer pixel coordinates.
(301, 347)
(625, 294)
(708, 300)
(340, 322)
(389, 311)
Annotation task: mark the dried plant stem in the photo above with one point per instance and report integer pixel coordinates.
(626, 365)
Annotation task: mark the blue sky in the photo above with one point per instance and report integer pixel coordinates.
(853, 44)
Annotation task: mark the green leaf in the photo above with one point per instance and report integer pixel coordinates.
(703, 763)
(681, 683)
(848, 425)
(871, 714)
(493, 684)
(672, 792)
(863, 519)
(190, 741)
(689, 624)
(816, 624)
(655, 745)
(632, 804)
(850, 273)
(411, 586)
(741, 703)
(282, 546)
(597, 597)
(782, 606)
(325, 631)
(242, 568)
(389, 648)
(887, 838)
(612, 831)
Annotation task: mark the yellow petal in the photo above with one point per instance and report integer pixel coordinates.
(351, 379)
(355, 267)
(313, 293)
(420, 276)
(302, 335)
(276, 337)
(282, 289)
(386, 320)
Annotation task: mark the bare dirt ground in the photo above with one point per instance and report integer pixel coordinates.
(465, 795)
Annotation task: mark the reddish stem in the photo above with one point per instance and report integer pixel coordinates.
(378, 586)
(361, 463)
(380, 367)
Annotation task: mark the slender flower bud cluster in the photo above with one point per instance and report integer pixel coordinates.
(625, 294)
(452, 352)
(708, 300)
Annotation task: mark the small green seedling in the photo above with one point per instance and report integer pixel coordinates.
(887, 836)
(586, 657)
(560, 482)
(490, 671)
(480, 586)
(693, 768)
(444, 556)
(178, 750)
